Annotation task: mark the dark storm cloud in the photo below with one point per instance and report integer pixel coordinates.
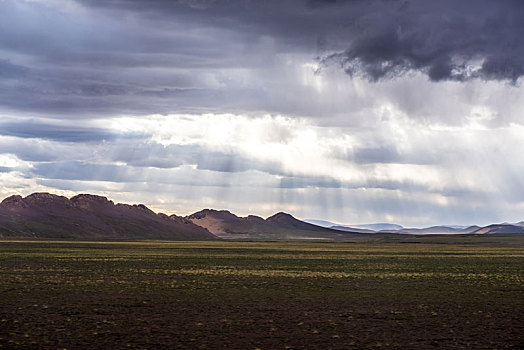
(443, 39)
(143, 57)
(386, 38)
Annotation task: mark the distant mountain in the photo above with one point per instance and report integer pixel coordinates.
(439, 230)
(379, 226)
(410, 231)
(88, 216)
(500, 228)
(457, 227)
(370, 228)
(352, 229)
(361, 227)
(224, 224)
(322, 223)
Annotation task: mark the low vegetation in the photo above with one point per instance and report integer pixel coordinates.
(427, 292)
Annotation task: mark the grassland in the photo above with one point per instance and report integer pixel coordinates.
(246, 295)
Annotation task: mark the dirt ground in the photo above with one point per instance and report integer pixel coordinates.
(264, 295)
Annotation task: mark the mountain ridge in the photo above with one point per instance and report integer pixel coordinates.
(225, 224)
(47, 215)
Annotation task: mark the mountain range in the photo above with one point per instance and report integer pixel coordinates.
(224, 224)
(368, 227)
(442, 229)
(45, 215)
(86, 216)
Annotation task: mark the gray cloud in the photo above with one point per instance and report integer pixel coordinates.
(386, 38)
(241, 56)
(390, 153)
(381, 154)
(9, 70)
(83, 171)
(36, 150)
(49, 148)
(40, 130)
(149, 154)
(4, 169)
(443, 39)
(309, 181)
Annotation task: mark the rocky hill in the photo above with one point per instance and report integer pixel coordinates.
(88, 216)
(224, 224)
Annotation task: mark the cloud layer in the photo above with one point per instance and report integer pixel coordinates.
(352, 111)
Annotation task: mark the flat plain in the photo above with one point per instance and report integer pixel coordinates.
(457, 292)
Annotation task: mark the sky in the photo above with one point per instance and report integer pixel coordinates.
(357, 111)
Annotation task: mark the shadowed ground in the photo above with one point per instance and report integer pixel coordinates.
(246, 295)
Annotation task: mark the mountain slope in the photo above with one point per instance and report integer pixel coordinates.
(89, 216)
(288, 221)
(500, 228)
(223, 222)
(279, 226)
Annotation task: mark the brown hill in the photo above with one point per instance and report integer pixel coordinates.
(288, 221)
(224, 224)
(89, 216)
(500, 228)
